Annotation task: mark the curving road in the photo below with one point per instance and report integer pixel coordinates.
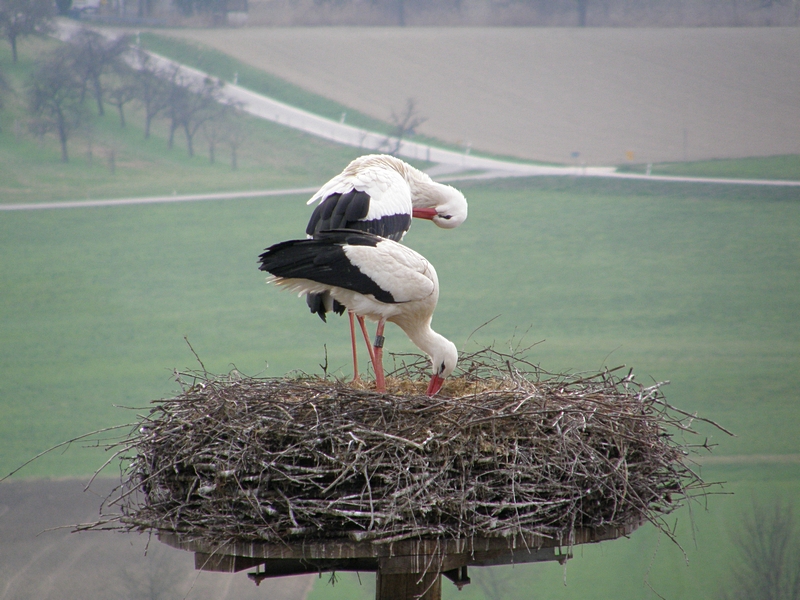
(448, 163)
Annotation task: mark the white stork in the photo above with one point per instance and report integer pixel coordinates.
(375, 278)
(379, 194)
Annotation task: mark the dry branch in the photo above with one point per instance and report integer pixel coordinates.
(508, 449)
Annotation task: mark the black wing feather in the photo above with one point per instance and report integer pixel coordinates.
(349, 211)
(323, 260)
(339, 211)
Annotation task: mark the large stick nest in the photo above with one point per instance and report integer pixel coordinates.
(506, 449)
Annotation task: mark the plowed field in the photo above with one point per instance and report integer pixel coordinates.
(610, 95)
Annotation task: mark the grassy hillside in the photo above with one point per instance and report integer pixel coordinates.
(694, 284)
(271, 156)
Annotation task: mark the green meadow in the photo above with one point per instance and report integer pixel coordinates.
(692, 283)
(271, 156)
(770, 167)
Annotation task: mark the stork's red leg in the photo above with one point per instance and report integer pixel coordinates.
(380, 381)
(353, 342)
(366, 337)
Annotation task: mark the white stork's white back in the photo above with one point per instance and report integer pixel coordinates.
(375, 278)
(379, 193)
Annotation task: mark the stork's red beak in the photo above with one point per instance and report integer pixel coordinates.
(423, 213)
(435, 385)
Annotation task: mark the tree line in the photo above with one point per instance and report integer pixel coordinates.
(537, 13)
(90, 71)
(109, 71)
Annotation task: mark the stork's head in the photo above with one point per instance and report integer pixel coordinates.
(443, 361)
(442, 204)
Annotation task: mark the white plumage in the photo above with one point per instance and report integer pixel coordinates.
(379, 194)
(375, 278)
(393, 188)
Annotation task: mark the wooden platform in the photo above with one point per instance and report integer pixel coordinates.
(405, 568)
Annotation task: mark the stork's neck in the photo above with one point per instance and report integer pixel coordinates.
(425, 338)
(420, 183)
(442, 352)
(426, 193)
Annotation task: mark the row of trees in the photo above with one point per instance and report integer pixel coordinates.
(562, 13)
(108, 71)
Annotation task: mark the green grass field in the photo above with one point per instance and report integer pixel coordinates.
(772, 167)
(695, 284)
(697, 289)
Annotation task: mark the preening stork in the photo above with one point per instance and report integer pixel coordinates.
(379, 194)
(373, 277)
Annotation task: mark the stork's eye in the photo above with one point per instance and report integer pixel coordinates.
(441, 368)
(446, 217)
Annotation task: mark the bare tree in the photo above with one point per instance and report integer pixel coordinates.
(493, 585)
(24, 17)
(583, 7)
(93, 56)
(224, 127)
(122, 85)
(152, 88)
(63, 6)
(404, 126)
(399, 7)
(54, 98)
(235, 135)
(144, 8)
(156, 579)
(768, 545)
(213, 132)
(192, 104)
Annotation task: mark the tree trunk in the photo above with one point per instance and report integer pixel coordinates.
(62, 136)
(172, 127)
(189, 146)
(148, 118)
(122, 116)
(13, 40)
(583, 5)
(234, 163)
(401, 13)
(98, 95)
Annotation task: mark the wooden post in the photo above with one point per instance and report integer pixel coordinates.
(404, 586)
